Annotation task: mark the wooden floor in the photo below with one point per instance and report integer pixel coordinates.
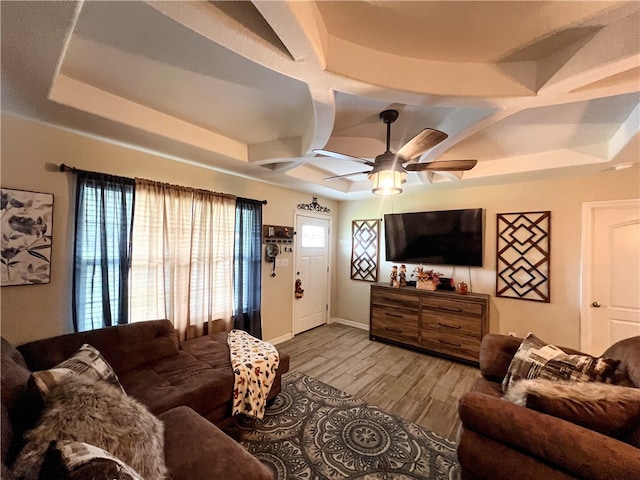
(419, 387)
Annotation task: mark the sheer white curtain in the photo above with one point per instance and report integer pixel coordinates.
(182, 258)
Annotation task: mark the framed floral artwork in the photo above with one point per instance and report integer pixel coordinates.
(26, 221)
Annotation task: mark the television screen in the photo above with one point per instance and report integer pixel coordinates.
(446, 237)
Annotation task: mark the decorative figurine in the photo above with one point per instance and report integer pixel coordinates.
(403, 275)
(394, 276)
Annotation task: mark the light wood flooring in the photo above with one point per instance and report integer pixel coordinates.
(419, 387)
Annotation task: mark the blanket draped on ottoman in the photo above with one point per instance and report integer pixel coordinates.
(254, 364)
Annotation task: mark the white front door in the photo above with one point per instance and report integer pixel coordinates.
(312, 268)
(611, 274)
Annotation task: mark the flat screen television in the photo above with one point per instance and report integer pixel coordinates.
(445, 237)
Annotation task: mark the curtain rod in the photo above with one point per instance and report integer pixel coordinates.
(76, 171)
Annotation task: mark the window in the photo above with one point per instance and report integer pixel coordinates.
(173, 257)
(104, 207)
(247, 272)
(313, 236)
(182, 260)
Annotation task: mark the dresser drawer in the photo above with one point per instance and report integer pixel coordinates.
(451, 324)
(454, 305)
(392, 300)
(402, 327)
(458, 346)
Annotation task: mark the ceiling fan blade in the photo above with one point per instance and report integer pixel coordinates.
(346, 175)
(442, 166)
(422, 142)
(342, 156)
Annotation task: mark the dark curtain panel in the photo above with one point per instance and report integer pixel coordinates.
(247, 276)
(102, 253)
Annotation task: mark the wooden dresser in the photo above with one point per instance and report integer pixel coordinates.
(440, 322)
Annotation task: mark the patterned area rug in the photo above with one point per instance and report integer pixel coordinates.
(315, 431)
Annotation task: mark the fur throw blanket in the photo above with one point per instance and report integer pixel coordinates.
(577, 391)
(99, 414)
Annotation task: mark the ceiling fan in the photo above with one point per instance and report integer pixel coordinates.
(389, 170)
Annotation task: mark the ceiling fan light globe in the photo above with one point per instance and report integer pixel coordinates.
(387, 182)
(386, 191)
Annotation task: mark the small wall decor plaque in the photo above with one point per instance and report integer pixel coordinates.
(314, 206)
(523, 255)
(364, 250)
(26, 220)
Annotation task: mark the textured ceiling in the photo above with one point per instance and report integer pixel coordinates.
(254, 87)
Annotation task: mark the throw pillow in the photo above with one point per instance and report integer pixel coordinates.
(609, 409)
(68, 460)
(537, 359)
(87, 361)
(97, 413)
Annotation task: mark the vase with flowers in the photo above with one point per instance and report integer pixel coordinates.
(426, 279)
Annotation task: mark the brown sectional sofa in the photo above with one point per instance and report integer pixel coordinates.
(188, 386)
(501, 440)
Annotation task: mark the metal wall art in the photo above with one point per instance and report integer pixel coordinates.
(364, 250)
(523, 256)
(314, 206)
(26, 220)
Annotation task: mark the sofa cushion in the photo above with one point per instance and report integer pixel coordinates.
(195, 449)
(609, 409)
(70, 460)
(214, 351)
(99, 414)
(538, 359)
(87, 362)
(181, 379)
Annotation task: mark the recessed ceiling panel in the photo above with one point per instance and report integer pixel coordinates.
(359, 117)
(131, 50)
(546, 129)
(452, 31)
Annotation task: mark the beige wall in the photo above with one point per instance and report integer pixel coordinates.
(558, 321)
(38, 311)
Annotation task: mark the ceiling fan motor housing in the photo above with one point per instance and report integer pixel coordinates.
(389, 116)
(389, 161)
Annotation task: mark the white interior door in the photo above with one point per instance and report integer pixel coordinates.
(611, 274)
(312, 268)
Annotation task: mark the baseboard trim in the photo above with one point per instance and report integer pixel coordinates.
(280, 339)
(350, 323)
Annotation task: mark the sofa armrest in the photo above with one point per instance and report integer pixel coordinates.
(569, 447)
(496, 353)
(195, 448)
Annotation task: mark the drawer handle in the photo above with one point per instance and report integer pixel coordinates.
(457, 327)
(450, 309)
(450, 343)
(393, 315)
(397, 330)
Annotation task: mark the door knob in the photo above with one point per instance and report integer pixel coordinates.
(595, 304)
